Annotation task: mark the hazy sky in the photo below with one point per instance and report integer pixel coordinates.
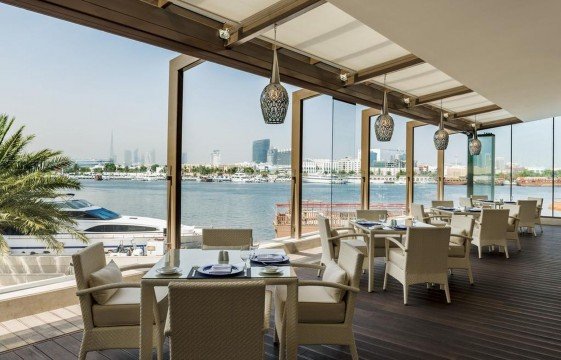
(72, 86)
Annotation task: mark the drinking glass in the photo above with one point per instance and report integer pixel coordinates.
(244, 255)
(382, 218)
(253, 247)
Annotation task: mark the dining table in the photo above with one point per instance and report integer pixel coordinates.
(188, 261)
(474, 212)
(376, 229)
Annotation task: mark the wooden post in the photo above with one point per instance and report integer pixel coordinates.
(365, 157)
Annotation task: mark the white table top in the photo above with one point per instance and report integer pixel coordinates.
(388, 230)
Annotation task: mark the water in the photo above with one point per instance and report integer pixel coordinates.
(253, 205)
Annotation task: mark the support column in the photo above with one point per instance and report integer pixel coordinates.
(365, 135)
(440, 175)
(177, 68)
(298, 98)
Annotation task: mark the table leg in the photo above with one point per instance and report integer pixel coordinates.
(146, 320)
(371, 244)
(291, 315)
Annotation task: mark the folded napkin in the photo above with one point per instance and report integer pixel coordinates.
(220, 269)
(268, 257)
(376, 227)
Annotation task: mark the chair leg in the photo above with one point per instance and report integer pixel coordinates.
(506, 251)
(479, 251)
(447, 291)
(518, 245)
(275, 335)
(470, 275)
(83, 353)
(353, 349)
(385, 277)
(405, 294)
(319, 270)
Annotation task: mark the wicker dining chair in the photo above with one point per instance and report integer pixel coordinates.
(213, 319)
(513, 224)
(538, 220)
(422, 258)
(479, 197)
(116, 323)
(461, 231)
(323, 318)
(490, 230)
(444, 203)
(527, 215)
(331, 239)
(418, 212)
(227, 239)
(372, 215)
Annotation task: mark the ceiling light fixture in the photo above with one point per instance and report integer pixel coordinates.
(274, 98)
(441, 136)
(475, 143)
(383, 126)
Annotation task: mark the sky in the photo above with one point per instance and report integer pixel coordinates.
(73, 86)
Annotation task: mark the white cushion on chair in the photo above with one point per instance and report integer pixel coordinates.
(333, 273)
(456, 250)
(315, 305)
(440, 223)
(110, 274)
(123, 308)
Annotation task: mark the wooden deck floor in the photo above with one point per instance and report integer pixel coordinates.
(512, 312)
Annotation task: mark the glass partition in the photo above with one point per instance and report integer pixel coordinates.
(387, 169)
(532, 160)
(556, 202)
(481, 168)
(503, 162)
(236, 168)
(425, 165)
(455, 168)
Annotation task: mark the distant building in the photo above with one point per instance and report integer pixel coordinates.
(184, 158)
(284, 157)
(92, 163)
(375, 155)
(272, 156)
(128, 158)
(135, 156)
(153, 156)
(112, 156)
(260, 150)
(215, 158)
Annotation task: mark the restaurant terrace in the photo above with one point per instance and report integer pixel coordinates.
(436, 275)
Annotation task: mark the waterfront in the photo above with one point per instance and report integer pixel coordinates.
(253, 205)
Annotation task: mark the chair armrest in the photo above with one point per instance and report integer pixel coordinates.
(365, 236)
(136, 266)
(514, 217)
(438, 216)
(343, 228)
(328, 284)
(462, 236)
(305, 265)
(391, 239)
(106, 287)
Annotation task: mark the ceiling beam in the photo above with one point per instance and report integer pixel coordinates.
(477, 111)
(384, 68)
(440, 95)
(500, 122)
(150, 24)
(265, 20)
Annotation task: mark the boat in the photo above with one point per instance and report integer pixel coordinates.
(537, 181)
(455, 181)
(377, 179)
(354, 179)
(99, 224)
(324, 179)
(241, 177)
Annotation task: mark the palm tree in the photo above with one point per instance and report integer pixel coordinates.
(28, 182)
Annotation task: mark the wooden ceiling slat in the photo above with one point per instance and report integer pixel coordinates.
(384, 68)
(477, 111)
(440, 95)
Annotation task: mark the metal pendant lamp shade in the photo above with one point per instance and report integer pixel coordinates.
(441, 136)
(475, 143)
(383, 126)
(274, 98)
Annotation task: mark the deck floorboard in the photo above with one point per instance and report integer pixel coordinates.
(512, 312)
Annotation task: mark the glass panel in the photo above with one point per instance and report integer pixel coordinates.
(557, 166)
(345, 188)
(455, 168)
(482, 167)
(425, 165)
(387, 169)
(502, 161)
(236, 168)
(532, 151)
(317, 151)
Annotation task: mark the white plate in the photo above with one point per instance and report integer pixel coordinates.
(236, 269)
(263, 272)
(270, 261)
(171, 271)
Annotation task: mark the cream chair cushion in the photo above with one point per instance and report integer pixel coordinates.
(397, 257)
(334, 273)
(110, 274)
(458, 240)
(440, 223)
(456, 250)
(123, 308)
(315, 305)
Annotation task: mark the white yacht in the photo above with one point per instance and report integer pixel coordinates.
(100, 225)
(241, 177)
(324, 179)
